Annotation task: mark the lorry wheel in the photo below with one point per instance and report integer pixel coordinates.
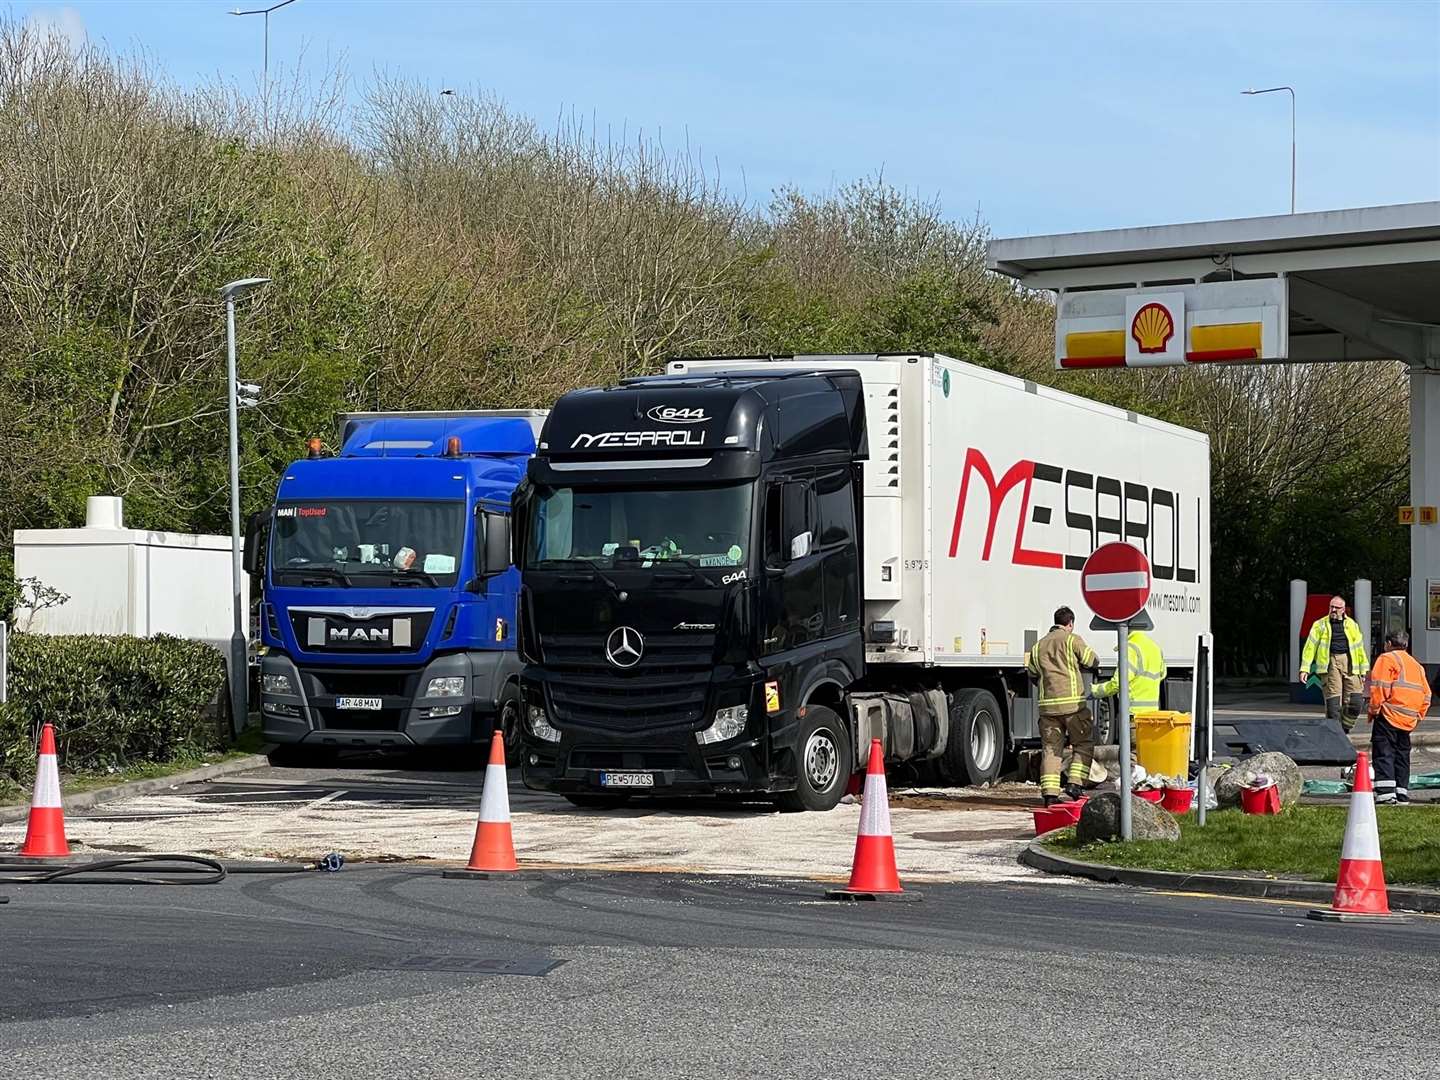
(587, 801)
(823, 762)
(1106, 730)
(977, 738)
(508, 719)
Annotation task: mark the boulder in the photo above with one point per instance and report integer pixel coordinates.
(1100, 820)
(1286, 773)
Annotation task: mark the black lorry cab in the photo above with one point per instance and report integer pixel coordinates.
(690, 568)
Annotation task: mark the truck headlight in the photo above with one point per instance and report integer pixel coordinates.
(540, 725)
(446, 686)
(276, 684)
(729, 724)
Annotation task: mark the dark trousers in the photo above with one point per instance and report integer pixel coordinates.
(1391, 748)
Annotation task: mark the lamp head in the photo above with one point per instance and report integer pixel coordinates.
(237, 289)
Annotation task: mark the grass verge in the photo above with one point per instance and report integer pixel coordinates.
(250, 742)
(1302, 842)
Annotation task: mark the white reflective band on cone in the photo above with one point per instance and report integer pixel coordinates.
(495, 796)
(1362, 836)
(47, 782)
(875, 808)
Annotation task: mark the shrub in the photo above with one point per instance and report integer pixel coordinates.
(114, 701)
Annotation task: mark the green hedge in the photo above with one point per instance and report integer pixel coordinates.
(114, 701)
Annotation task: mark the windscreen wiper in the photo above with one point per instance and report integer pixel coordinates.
(318, 573)
(588, 571)
(419, 577)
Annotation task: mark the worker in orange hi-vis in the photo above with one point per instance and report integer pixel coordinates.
(1399, 697)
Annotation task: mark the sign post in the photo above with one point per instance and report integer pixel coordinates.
(1200, 731)
(1115, 582)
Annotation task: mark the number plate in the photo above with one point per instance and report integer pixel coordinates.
(358, 703)
(627, 779)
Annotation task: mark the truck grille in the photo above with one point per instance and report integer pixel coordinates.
(666, 689)
(396, 689)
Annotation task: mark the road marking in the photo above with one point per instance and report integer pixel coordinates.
(247, 793)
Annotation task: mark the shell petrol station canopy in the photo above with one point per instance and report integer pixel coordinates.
(1338, 285)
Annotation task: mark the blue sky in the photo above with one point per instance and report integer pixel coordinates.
(1039, 117)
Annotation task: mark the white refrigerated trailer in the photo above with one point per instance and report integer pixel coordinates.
(982, 496)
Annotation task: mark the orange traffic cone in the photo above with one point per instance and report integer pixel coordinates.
(45, 833)
(874, 876)
(1360, 886)
(493, 850)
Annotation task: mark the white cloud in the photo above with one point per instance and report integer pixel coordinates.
(63, 23)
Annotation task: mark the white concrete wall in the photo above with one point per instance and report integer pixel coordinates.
(130, 581)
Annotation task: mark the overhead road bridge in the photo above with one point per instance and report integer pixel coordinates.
(1359, 285)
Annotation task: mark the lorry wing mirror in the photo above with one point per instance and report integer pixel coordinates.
(800, 546)
(254, 557)
(494, 543)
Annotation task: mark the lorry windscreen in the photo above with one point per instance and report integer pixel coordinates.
(368, 544)
(640, 528)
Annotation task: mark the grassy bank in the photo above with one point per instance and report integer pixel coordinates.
(1303, 842)
(250, 742)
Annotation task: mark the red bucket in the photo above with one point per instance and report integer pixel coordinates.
(1260, 800)
(1178, 799)
(1060, 816)
(1149, 795)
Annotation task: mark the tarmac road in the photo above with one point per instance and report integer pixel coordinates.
(677, 976)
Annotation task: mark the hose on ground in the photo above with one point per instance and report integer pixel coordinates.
(150, 870)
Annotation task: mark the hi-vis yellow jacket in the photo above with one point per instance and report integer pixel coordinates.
(1147, 671)
(1056, 661)
(1316, 654)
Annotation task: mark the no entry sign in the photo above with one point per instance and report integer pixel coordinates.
(1115, 581)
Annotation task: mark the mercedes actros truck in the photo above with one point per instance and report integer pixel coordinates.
(736, 574)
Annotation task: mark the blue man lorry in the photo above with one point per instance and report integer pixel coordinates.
(388, 598)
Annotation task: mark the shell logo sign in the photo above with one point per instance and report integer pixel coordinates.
(1185, 324)
(1153, 323)
(1152, 328)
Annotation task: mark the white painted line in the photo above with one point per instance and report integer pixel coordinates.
(1107, 582)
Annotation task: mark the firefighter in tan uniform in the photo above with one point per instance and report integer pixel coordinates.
(1055, 663)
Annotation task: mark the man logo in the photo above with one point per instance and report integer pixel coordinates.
(375, 635)
(624, 647)
(669, 414)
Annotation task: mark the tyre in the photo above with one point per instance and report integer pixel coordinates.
(1106, 731)
(823, 762)
(509, 721)
(596, 801)
(976, 747)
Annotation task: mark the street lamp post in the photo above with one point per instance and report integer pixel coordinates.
(266, 12)
(239, 666)
(1290, 90)
(265, 70)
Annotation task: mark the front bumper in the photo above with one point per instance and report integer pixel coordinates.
(678, 763)
(310, 714)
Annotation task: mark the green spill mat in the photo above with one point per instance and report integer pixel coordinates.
(1339, 787)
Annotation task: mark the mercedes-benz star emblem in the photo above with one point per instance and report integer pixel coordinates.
(624, 646)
